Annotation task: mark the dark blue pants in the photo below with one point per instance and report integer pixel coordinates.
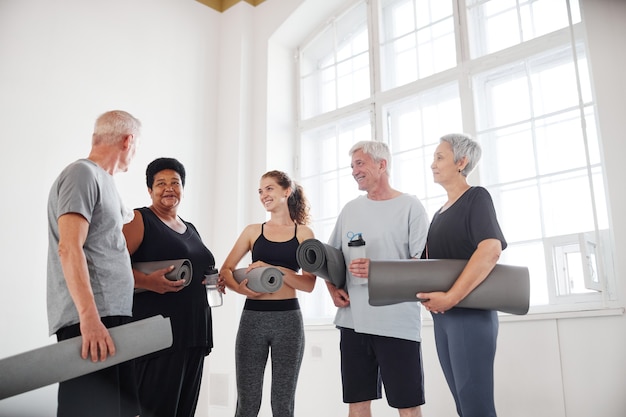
(466, 346)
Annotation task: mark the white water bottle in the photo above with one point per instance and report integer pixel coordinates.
(213, 294)
(356, 247)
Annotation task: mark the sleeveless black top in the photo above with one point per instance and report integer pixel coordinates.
(187, 309)
(276, 253)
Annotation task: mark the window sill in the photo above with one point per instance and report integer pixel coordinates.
(565, 314)
(549, 313)
(535, 313)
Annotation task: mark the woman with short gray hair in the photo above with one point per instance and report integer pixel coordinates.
(465, 227)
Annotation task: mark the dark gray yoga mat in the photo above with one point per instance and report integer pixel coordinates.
(61, 361)
(182, 269)
(262, 279)
(322, 260)
(506, 288)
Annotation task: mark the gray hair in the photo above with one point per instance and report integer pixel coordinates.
(113, 126)
(463, 146)
(377, 150)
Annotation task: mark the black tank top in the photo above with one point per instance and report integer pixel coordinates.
(276, 253)
(187, 309)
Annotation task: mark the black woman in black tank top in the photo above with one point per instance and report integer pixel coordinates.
(169, 380)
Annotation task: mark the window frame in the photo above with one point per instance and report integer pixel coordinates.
(462, 74)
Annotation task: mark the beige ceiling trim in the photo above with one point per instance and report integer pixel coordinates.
(222, 5)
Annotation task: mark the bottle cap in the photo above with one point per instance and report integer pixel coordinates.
(357, 240)
(211, 271)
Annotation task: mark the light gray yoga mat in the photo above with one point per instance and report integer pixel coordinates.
(62, 361)
(322, 260)
(262, 279)
(506, 288)
(182, 269)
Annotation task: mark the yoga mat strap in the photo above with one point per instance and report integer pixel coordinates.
(62, 361)
(506, 288)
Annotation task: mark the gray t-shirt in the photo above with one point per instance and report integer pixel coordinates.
(85, 188)
(392, 229)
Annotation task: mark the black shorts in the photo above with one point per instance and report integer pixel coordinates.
(368, 361)
(110, 392)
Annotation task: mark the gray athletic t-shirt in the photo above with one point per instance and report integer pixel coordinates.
(85, 188)
(392, 229)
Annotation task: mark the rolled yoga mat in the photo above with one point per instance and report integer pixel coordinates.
(262, 279)
(506, 288)
(322, 260)
(62, 361)
(182, 269)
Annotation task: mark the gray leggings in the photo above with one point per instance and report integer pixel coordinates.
(266, 325)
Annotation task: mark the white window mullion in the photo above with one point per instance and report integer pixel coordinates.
(378, 122)
(466, 95)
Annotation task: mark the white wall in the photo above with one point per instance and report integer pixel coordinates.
(62, 64)
(212, 90)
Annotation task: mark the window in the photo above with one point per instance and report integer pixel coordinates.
(574, 267)
(497, 25)
(334, 67)
(417, 40)
(326, 177)
(512, 73)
